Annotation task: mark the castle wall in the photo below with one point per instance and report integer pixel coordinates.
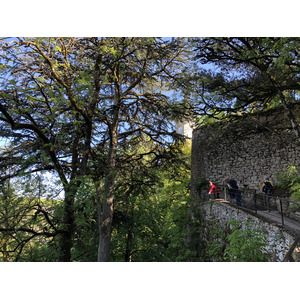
(278, 240)
(246, 150)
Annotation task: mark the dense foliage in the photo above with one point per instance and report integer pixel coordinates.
(149, 221)
(79, 107)
(245, 75)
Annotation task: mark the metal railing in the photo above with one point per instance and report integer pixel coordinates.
(259, 203)
(256, 201)
(268, 203)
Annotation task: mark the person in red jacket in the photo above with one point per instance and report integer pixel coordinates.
(214, 190)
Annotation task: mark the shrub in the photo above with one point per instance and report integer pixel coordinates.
(246, 244)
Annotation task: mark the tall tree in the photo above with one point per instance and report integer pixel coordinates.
(74, 105)
(41, 117)
(136, 107)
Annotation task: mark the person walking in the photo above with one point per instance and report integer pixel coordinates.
(234, 190)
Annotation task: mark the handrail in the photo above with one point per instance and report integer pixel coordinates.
(265, 197)
(281, 200)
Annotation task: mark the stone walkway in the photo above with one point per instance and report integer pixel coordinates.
(275, 217)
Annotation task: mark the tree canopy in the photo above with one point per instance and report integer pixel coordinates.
(80, 106)
(246, 75)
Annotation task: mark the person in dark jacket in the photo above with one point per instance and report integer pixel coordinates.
(267, 189)
(267, 186)
(234, 190)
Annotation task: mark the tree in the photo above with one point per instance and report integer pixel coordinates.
(42, 116)
(75, 106)
(151, 211)
(245, 75)
(27, 222)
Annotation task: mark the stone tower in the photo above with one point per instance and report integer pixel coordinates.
(184, 128)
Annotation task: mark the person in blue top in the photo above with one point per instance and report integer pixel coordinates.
(234, 190)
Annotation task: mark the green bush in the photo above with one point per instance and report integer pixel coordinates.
(285, 179)
(290, 182)
(246, 245)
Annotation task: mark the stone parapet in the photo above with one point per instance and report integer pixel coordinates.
(279, 240)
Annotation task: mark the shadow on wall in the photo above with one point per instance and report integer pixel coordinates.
(246, 150)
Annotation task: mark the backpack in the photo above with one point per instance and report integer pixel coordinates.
(267, 188)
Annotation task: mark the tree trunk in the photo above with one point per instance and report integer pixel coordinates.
(67, 236)
(106, 207)
(105, 228)
(129, 238)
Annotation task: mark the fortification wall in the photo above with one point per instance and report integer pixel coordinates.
(245, 149)
(279, 240)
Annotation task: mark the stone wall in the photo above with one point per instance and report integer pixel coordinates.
(279, 240)
(245, 150)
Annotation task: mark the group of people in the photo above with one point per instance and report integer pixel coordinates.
(235, 192)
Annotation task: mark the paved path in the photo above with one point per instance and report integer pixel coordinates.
(275, 216)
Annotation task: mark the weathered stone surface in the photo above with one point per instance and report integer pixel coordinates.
(245, 150)
(279, 240)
